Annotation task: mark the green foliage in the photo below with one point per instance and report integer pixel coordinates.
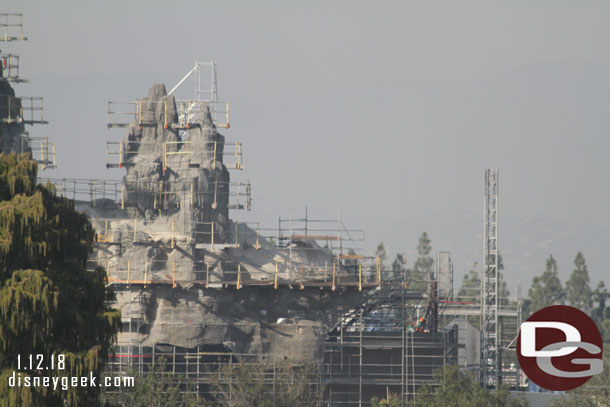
(594, 393)
(605, 328)
(504, 293)
(398, 267)
(156, 388)
(418, 277)
(600, 312)
(470, 291)
(392, 401)
(578, 291)
(266, 385)
(546, 289)
(49, 304)
(459, 389)
(600, 296)
(381, 252)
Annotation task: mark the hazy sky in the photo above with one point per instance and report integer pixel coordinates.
(387, 111)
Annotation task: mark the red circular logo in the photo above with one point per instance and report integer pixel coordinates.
(559, 348)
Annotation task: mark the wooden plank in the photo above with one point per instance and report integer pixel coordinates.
(312, 237)
(349, 256)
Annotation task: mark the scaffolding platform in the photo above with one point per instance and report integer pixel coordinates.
(43, 152)
(25, 110)
(253, 283)
(330, 232)
(215, 247)
(142, 112)
(9, 68)
(310, 237)
(79, 189)
(11, 27)
(163, 197)
(198, 272)
(178, 154)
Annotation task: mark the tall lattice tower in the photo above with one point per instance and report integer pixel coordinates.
(490, 347)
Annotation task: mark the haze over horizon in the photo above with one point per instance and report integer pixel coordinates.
(387, 111)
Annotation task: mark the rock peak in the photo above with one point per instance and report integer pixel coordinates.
(157, 91)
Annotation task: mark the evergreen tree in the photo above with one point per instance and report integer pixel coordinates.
(49, 304)
(470, 291)
(398, 267)
(382, 255)
(578, 292)
(419, 276)
(605, 331)
(504, 292)
(601, 313)
(381, 252)
(546, 289)
(600, 296)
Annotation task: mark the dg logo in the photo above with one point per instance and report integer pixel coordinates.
(560, 348)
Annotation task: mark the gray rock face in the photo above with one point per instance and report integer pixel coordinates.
(167, 168)
(183, 272)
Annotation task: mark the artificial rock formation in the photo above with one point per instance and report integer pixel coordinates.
(178, 280)
(13, 136)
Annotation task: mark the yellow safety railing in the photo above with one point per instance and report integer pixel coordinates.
(43, 152)
(134, 272)
(105, 237)
(11, 26)
(24, 109)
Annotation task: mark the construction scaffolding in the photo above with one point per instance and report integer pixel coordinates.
(349, 244)
(9, 68)
(18, 111)
(390, 344)
(176, 115)
(123, 114)
(163, 195)
(286, 268)
(201, 367)
(177, 262)
(388, 347)
(11, 27)
(26, 110)
(176, 154)
(466, 311)
(43, 152)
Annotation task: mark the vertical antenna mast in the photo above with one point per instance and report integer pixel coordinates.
(490, 360)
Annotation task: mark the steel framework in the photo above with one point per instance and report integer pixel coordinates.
(11, 27)
(490, 347)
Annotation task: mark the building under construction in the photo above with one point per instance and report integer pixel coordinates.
(202, 290)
